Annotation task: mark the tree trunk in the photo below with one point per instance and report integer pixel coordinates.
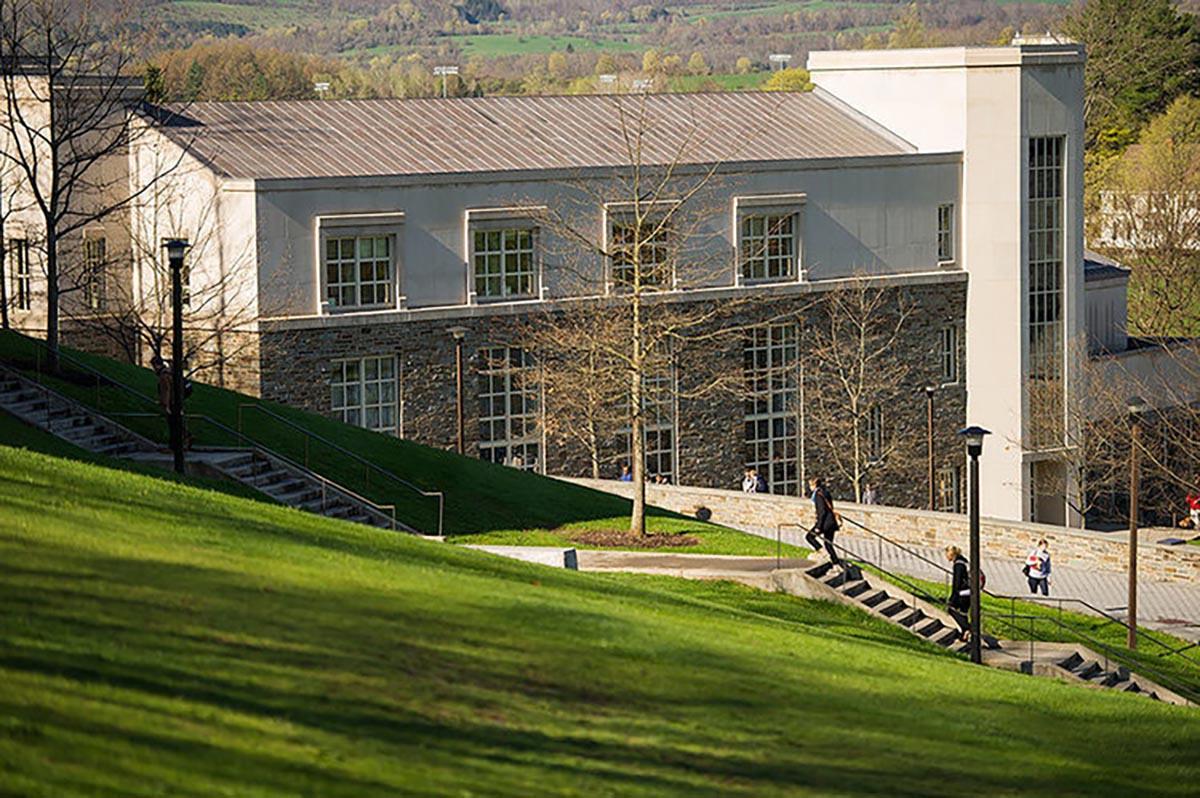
(594, 448)
(51, 299)
(637, 447)
(3, 277)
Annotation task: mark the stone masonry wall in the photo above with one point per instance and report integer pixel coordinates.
(1073, 548)
(710, 427)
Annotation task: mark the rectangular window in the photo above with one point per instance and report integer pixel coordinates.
(358, 271)
(770, 361)
(945, 233)
(364, 392)
(22, 272)
(95, 260)
(1045, 284)
(873, 433)
(769, 247)
(640, 255)
(508, 409)
(504, 263)
(658, 422)
(949, 489)
(949, 354)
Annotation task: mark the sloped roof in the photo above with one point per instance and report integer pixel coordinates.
(335, 138)
(1097, 267)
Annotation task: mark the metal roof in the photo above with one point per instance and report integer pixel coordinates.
(1096, 267)
(337, 138)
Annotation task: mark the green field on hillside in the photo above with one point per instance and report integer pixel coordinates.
(480, 497)
(718, 82)
(158, 639)
(492, 45)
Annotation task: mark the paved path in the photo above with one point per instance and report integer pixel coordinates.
(1167, 606)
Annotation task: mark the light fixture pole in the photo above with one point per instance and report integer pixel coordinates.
(974, 438)
(1136, 406)
(458, 333)
(176, 247)
(929, 391)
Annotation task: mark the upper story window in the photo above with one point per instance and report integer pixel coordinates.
(504, 263)
(768, 246)
(22, 271)
(95, 260)
(641, 253)
(945, 233)
(358, 271)
(948, 354)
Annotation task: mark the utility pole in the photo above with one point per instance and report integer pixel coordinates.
(175, 250)
(929, 391)
(458, 333)
(1136, 406)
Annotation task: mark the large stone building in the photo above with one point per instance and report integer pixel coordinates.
(368, 240)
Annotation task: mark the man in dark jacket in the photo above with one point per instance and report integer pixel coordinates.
(827, 520)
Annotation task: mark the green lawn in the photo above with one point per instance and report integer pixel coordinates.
(480, 497)
(158, 639)
(494, 45)
(718, 82)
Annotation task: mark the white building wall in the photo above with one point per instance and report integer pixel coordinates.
(988, 102)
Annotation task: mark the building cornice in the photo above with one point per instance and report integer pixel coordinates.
(501, 309)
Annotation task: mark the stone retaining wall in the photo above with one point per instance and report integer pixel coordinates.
(1073, 548)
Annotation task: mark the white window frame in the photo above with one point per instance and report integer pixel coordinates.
(769, 205)
(771, 355)
(948, 355)
(496, 365)
(346, 410)
(503, 219)
(946, 234)
(622, 214)
(359, 225)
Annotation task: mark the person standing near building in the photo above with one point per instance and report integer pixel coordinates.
(626, 474)
(827, 521)
(748, 481)
(1037, 568)
(1193, 502)
(869, 495)
(958, 603)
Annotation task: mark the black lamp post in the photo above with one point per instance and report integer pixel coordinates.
(176, 247)
(458, 334)
(974, 438)
(929, 391)
(1136, 406)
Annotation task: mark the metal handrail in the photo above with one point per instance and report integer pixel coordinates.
(1171, 650)
(1010, 618)
(439, 495)
(264, 451)
(254, 447)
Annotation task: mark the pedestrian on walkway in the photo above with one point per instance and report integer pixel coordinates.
(1193, 503)
(828, 521)
(1037, 568)
(958, 603)
(870, 495)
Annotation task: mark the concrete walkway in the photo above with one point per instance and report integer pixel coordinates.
(1169, 607)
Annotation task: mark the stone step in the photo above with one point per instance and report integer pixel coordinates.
(911, 619)
(874, 599)
(856, 588)
(1089, 670)
(930, 629)
(1115, 677)
(895, 607)
(949, 636)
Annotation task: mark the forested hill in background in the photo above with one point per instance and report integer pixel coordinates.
(254, 49)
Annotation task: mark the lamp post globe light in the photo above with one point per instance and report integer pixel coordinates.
(1136, 407)
(974, 439)
(176, 248)
(458, 334)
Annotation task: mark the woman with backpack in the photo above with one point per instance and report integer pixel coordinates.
(1037, 568)
(958, 603)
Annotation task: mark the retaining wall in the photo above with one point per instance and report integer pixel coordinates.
(1072, 548)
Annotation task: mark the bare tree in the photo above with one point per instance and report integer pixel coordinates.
(125, 290)
(68, 120)
(611, 351)
(855, 340)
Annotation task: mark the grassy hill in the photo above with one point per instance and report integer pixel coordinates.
(159, 639)
(480, 497)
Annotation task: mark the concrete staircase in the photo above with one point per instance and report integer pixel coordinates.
(258, 468)
(1066, 661)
